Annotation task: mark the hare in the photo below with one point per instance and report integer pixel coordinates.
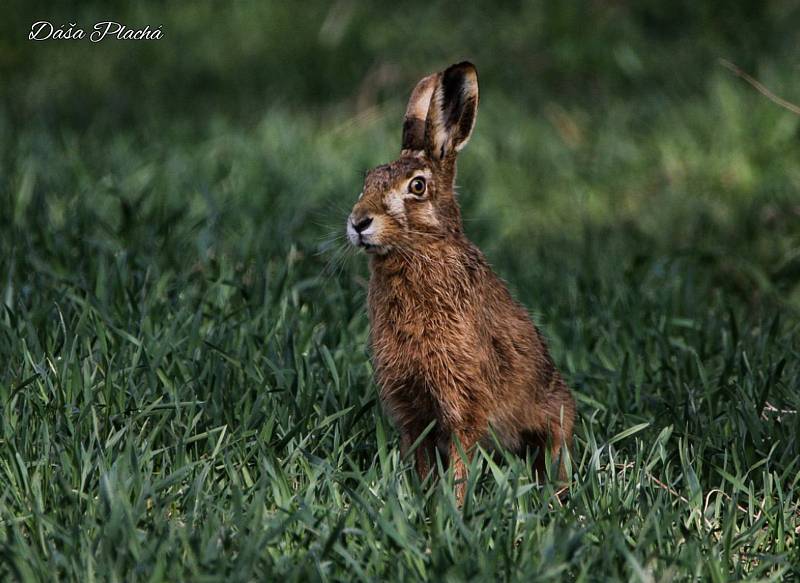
(449, 343)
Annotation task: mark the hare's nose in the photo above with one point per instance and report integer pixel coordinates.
(361, 225)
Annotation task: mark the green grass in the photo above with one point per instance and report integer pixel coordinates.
(186, 391)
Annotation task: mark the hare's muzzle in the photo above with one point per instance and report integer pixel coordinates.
(361, 231)
(362, 225)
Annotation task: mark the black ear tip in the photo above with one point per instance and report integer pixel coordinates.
(461, 68)
(456, 77)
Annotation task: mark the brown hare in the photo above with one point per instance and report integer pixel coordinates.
(449, 343)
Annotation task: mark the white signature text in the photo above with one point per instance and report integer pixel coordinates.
(45, 30)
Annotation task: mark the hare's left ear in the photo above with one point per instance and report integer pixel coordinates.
(452, 111)
(416, 112)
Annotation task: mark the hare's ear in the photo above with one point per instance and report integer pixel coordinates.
(416, 112)
(452, 111)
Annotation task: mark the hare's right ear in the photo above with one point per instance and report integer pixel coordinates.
(416, 113)
(452, 111)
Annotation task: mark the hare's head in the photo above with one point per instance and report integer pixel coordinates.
(411, 202)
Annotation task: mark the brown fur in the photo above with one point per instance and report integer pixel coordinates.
(449, 342)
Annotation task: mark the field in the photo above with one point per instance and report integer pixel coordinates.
(186, 392)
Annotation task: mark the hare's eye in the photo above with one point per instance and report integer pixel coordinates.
(417, 186)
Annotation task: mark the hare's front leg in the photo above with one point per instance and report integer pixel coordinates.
(424, 454)
(465, 439)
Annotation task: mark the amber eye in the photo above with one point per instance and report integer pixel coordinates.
(417, 186)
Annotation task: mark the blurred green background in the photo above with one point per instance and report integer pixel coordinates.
(602, 113)
(186, 391)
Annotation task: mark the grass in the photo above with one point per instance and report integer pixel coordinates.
(187, 393)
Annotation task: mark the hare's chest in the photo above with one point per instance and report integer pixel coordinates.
(417, 325)
(428, 342)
